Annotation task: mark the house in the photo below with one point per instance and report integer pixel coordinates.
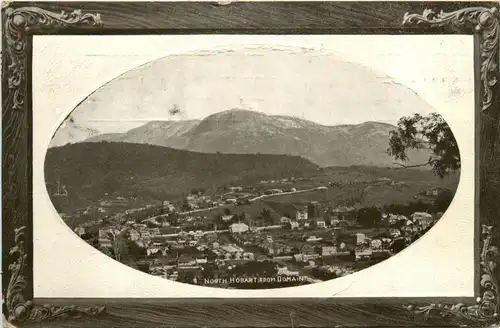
(313, 239)
(284, 220)
(284, 271)
(105, 233)
(248, 256)
(376, 243)
(311, 264)
(185, 261)
(134, 235)
(105, 242)
(344, 213)
(226, 218)
(301, 214)
(238, 228)
(201, 260)
(262, 258)
(299, 257)
(394, 233)
(360, 238)
(307, 249)
(432, 192)
(152, 250)
(294, 225)
(365, 253)
(80, 231)
(396, 218)
(328, 250)
(423, 218)
(210, 236)
(321, 224)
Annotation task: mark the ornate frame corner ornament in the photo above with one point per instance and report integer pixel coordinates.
(19, 23)
(487, 308)
(481, 20)
(19, 309)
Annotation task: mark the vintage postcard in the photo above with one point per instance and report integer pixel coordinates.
(171, 173)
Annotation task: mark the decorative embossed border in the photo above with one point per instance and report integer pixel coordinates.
(23, 20)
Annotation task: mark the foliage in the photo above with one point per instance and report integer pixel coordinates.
(426, 132)
(266, 217)
(92, 170)
(323, 274)
(135, 250)
(369, 217)
(440, 204)
(398, 245)
(443, 200)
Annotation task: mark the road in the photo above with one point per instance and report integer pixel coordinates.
(251, 200)
(233, 205)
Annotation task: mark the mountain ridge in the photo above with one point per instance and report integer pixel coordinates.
(91, 170)
(242, 131)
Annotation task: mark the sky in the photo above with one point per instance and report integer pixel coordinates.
(311, 84)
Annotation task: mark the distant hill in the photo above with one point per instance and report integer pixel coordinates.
(167, 133)
(239, 131)
(90, 170)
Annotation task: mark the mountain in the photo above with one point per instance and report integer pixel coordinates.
(91, 170)
(162, 133)
(70, 130)
(240, 131)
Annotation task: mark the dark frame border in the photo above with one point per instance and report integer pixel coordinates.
(23, 20)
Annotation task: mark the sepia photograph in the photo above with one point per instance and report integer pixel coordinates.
(252, 169)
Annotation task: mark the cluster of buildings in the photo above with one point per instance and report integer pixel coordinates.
(306, 237)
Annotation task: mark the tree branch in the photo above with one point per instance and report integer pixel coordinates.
(416, 165)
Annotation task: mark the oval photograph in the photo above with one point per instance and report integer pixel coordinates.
(252, 168)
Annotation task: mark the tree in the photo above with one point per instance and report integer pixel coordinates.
(425, 132)
(443, 200)
(151, 225)
(266, 216)
(174, 110)
(369, 217)
(173, 219)
(397, 245)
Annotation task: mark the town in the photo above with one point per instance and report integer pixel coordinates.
(259, 236)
